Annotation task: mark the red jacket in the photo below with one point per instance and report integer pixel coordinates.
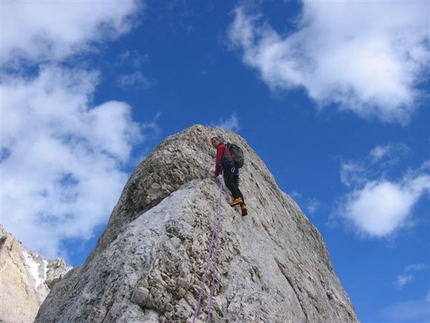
(220, 151)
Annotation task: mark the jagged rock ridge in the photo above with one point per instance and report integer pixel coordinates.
(26, 279)
(273, 265)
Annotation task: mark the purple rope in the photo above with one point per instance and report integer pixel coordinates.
(214, 269)
(214, 241)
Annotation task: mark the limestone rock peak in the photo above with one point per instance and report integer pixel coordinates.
(26, 279)
(273, 265)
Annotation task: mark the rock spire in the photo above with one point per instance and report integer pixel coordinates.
(25, 279)
(273, 265)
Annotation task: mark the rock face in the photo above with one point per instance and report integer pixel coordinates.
(147, 267)
(25, 280)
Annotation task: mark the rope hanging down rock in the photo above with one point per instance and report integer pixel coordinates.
(213, 250)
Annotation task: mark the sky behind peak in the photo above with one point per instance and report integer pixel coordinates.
(333, 96)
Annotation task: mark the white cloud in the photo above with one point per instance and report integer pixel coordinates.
(390, 153)
(295, 195)
(380, 160)
(380, 207)
(379, 152)
(313, 205)
(402, 280)
(417, 310)
(365, 56)
(415, 267)
(232, 123)
(351, 173)
(408, 275)
(40, 30)
(62, 158)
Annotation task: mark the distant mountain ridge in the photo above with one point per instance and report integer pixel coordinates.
(26, 279)
(147, 267)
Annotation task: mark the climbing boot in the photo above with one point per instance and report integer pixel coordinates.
(236, 201)
(244, 209)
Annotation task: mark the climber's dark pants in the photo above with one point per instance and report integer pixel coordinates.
(231, 179)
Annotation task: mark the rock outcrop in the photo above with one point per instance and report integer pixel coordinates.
(25, 279)
(147, 267)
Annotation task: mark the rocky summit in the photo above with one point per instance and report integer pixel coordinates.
(271, 266)
(25, 279)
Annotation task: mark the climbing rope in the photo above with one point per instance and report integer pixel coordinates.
(213, 250)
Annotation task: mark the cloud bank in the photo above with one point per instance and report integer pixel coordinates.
(366, 57)
(62, 157)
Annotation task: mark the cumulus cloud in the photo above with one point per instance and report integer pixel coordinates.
(366, 57)
(380, 207)
(62, 157)
(41, 30)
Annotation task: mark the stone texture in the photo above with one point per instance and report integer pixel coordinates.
(147, 266)
(25, 280)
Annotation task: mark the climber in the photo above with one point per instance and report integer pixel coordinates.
(225, 165)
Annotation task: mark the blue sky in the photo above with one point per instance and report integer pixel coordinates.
(332, 95)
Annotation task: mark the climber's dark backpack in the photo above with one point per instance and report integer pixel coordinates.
(237, 154)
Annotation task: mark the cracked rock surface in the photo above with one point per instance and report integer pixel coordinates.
(273, 265)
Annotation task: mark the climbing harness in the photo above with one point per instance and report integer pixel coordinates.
(213, 251)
